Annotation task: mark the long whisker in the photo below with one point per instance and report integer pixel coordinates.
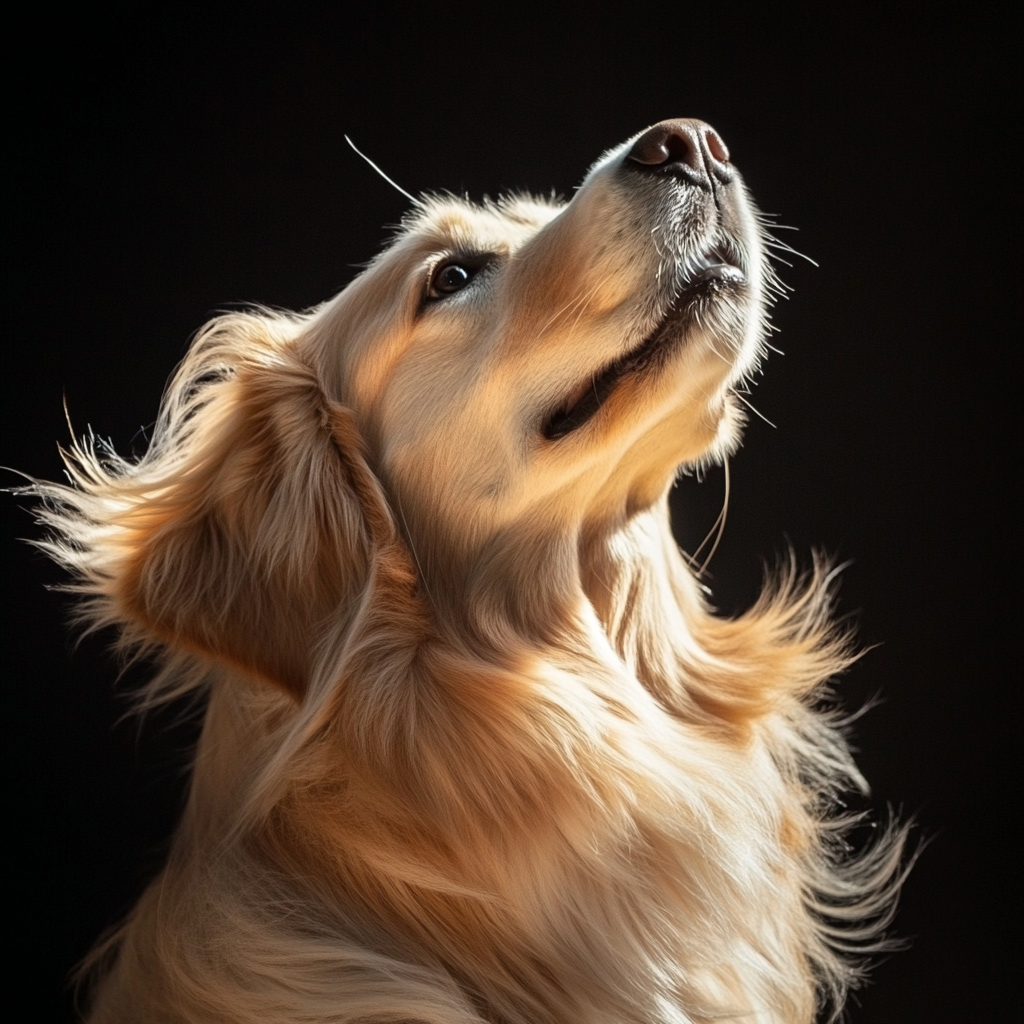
(755, 411)
(580, 302)
(720, 521)
(774, 243)
(564, 309)
(390, 181)
(718, 524)
(412, 549)
(593, 291)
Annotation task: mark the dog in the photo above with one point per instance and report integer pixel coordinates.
(475, 747)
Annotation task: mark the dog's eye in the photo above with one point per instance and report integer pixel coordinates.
(448, 278)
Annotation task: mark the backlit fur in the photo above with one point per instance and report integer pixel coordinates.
(476, 749)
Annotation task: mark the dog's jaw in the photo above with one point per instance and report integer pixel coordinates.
(708, 278)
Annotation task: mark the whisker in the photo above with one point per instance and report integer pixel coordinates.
(580, 301)
(412, 549)
(394, 184)
(718, 524)
(755, 411)
(774, 243)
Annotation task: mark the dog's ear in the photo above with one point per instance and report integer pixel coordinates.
(248, 526)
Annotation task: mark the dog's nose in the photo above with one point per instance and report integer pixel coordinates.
(683, 147)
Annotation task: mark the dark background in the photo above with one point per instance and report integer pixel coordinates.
(162, 165)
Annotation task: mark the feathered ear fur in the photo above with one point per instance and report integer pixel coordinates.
(243, 529)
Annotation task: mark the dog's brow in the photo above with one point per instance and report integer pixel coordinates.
(455, 225)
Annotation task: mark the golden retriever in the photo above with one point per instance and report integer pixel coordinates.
(476, 749)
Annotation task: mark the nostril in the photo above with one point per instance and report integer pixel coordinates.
(682, 149)
(716, 147)
(663, 145)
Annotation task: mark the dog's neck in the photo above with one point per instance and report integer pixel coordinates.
(620, 587)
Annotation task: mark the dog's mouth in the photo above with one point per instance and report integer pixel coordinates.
(716, 270)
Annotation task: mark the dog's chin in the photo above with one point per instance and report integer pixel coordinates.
(714, 281)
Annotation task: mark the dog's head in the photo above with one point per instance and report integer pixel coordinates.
(502, 381)
(529, 358)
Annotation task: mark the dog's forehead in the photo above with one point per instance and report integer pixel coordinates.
(448, 223)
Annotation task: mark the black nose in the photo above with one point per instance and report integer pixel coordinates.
(683, 147)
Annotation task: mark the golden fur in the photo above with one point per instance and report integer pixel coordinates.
(475, 748)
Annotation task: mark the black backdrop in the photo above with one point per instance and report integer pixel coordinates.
(165, 164)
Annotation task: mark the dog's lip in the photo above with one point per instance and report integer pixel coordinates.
(714, 265)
